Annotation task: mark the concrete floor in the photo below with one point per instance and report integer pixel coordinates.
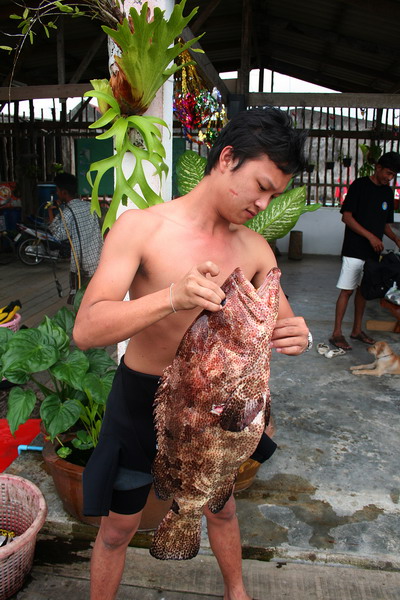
(328, 496)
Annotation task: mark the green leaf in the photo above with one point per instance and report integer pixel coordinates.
(96, 388)
(29, 351)
(65, 319)
(99, 361)
(72, 370)
(7, 48)
(57, 416)
(83, 440)
(14, 16)
(5, 336)
(148, 52)
(189, 170)
(56, 333)
(78, 298)
(282, 214)
(20, 406)
(64, 452)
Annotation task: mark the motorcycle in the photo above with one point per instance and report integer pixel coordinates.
(38, 245)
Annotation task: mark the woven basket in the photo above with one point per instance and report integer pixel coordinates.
(14, 324)
(22, 510)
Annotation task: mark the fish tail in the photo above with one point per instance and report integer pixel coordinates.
(177, 537)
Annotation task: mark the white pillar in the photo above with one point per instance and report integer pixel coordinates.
(161, 107)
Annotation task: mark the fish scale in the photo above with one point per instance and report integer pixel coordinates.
(211, 409)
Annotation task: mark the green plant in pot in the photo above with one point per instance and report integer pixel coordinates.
(77, 383)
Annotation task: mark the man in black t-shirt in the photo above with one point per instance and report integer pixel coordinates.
(367, 213)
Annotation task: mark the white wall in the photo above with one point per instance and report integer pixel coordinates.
(323, 232)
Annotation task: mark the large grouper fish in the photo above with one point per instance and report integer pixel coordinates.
(211, 409)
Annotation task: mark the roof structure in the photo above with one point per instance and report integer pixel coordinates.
(350, 46)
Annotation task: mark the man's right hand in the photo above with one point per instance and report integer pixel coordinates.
(376, 243)
(195, 289)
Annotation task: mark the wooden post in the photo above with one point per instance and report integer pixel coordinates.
(245, 60)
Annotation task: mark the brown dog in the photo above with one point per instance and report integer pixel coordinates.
(386, 362)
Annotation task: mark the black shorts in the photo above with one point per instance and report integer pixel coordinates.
(118, 474)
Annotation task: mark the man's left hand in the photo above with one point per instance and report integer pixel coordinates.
(290, 336)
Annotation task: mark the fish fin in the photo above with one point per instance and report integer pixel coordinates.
(166, 482)
(238, 414)
(222, 495)
(178, 536)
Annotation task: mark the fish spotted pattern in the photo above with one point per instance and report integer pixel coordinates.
(211, 409)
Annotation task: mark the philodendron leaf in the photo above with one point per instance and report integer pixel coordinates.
(57, 416)
(57, 334)
(99, 361)
(72, 370)
(282, 214)
(96, 388)
(29, 351)
(65, 319)
(189, 170)
(5, 336)
(20, 406)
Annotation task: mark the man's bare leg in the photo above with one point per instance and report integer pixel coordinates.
(341, 306)
(108, 557)
(359, 309)
(224, 536)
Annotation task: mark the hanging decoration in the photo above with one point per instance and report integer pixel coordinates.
(199, 111)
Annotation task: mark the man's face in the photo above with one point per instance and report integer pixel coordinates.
(384, 175)
(251, 188)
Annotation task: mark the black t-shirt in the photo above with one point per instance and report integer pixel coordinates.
(372, 207)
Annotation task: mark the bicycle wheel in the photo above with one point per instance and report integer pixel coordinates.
(31, 252)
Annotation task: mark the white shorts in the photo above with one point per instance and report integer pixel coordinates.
(351, 274)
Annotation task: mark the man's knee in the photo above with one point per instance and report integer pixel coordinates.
(346, 293)
(225, 514)
(116, 531)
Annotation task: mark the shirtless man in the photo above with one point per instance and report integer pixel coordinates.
(194, 242)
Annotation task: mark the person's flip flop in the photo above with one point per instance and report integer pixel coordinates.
(322, 348)
(340, 342)
(364, 338)
(336, 352)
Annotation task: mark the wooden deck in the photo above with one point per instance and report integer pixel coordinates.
(35, 287)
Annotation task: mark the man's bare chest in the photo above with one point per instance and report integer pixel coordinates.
(169, 259)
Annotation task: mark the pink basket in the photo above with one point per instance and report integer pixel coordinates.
(14, 324)
(22, 510)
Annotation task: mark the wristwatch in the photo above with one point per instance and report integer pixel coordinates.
(309, 342)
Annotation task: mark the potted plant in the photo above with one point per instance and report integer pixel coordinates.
(347, 161)
(330, 165)
(309, 167)
(371, 155)
(75, 389)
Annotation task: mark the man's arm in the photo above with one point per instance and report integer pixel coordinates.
(104, 317)
(355, 226)
(391, 234)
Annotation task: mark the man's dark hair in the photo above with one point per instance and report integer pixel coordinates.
(68, 182)
(255, 132)
(390, 160)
